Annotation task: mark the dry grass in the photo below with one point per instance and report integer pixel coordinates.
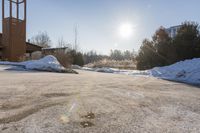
(64, 58)
(124, 64)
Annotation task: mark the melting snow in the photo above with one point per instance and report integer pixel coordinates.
(48, 63)
(187, 71)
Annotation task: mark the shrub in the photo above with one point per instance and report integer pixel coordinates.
(123, 64)
(64, 58)
(163, 50)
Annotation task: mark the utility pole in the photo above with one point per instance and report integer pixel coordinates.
(75, 37)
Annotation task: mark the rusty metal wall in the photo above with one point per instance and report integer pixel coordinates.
(14, 39)
(14, 34)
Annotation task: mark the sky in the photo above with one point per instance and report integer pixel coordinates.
(98, 21)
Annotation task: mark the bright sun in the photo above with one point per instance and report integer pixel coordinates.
(126, 30)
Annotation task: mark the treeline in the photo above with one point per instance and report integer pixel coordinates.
(122, 55)
(163, 50)
(117, 55)
(75, 56)
(71, 56)
(160, 50)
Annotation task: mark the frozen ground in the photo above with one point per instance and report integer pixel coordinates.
(92, 102)
(187, 71)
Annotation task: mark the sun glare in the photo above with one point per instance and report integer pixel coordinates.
(126, 30)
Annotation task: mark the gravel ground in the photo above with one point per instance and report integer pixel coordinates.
(90, 102)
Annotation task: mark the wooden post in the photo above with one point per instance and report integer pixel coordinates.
(10, 26)
(14, 30)
(10, 9)
(3, 5)
(3, 13)
(25, 8)
(17, 9)
(25, 17)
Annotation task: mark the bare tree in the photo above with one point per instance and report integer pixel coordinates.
(41, 39)
(63, 53)
(75, 47)
(63, 44)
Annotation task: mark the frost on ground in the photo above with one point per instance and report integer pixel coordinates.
(96, 103)
(187, 71)
(48, 63)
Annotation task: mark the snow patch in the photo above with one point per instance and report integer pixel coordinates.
(76, 67)
(184, 71)
(187, 71)
(48, 63)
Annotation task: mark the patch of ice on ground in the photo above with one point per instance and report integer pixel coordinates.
(116, 71)
(106, 70)
(103, 69)
(9, 63)
(88, 69)
(76, 67)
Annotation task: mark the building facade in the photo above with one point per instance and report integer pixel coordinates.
(54, 51)
(13, 45)
(30, 48)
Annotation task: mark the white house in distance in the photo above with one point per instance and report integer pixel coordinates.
(172, 31)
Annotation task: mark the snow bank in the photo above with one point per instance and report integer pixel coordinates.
(9, 63)
(48, 63)
(187, 71)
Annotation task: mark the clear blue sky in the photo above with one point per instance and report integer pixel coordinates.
(99, 20)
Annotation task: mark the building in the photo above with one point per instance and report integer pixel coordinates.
(13, 45)
(172, 31)
(54, 51)
(30, 48)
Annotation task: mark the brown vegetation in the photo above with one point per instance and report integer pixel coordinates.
(123, 64)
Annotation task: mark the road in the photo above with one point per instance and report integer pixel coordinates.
(90, 102)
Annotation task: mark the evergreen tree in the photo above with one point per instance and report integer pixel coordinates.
(146, 58)
(163, 50)
(186, 41)
(164, 47)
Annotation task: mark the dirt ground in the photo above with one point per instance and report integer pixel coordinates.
(90, 102)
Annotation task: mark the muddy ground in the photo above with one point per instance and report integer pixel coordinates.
(90, 102)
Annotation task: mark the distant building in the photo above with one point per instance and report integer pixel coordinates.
(54, 51)
(172, 31)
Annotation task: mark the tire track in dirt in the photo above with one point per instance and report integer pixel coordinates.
(32, 110)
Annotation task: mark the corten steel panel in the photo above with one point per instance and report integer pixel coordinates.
(1, 45)
(14, 33)
(14, 39)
